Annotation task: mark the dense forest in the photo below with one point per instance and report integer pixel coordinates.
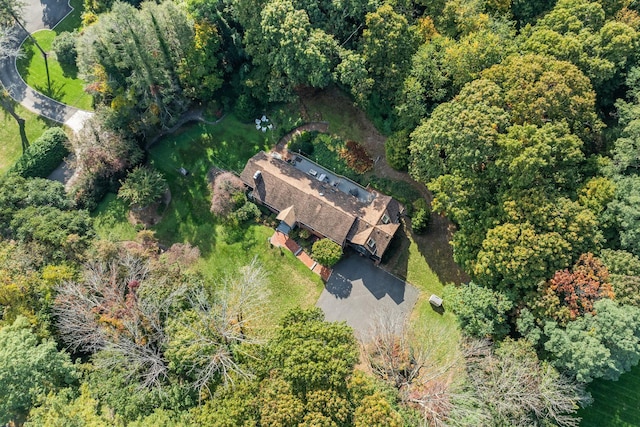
(521, 118)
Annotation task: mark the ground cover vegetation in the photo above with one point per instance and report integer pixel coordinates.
(520, 118)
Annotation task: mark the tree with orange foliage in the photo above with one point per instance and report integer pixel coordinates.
(586, 284)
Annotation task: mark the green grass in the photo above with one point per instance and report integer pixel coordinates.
(110, 220)
(73, 21)
(10, 142)
(412, 265)
(616, 403)
(188, 219)
(66, 87)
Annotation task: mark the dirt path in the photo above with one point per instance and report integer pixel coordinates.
(193, 115)
(307, 127)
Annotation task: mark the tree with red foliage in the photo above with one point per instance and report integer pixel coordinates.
(586, 284)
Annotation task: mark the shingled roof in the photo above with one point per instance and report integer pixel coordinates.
(317, 205)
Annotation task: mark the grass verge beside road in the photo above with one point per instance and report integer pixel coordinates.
(11, 144)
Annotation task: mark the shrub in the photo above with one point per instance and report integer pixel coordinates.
(43, 155)
(357, 157)
(326, 252)
(228, 194)
(246, 212)
(245, 108)
(304, 233)
(399, 190)
(481, 312)
(102, 157)
(143, 187)
(64, 45)
(420, 216)
(396, 148)
(303, 143)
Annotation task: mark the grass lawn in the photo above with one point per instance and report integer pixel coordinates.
(616, 403)
(188, 219)
(411, 264)
(10, 142)
(110, 220)
(72, 21)
(66, 87)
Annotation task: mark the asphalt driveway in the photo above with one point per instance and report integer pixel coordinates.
(38, 15)
(360, 293)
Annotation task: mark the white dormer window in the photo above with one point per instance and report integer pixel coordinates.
(386, 219)
(371, 243)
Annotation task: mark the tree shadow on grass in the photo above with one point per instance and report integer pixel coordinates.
(69, 70)
(56, 91)
(434, 247)
(26, 56)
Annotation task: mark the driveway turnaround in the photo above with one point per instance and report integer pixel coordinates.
(38, 15)
(361, 294)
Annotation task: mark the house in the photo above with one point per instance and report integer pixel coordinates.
(306, 195)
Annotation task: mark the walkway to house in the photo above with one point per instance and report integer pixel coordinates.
(281, 240)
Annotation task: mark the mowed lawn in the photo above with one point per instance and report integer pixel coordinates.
(616, 403)
(10, 141)
(198, 148)
(66, 87)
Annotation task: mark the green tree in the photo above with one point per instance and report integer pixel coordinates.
(44, 155)
(603, 345)
(396, 149)
(58, 234)
(303, 376)
(388, 43)
(139, 63)
(312, 354)
(538, 238)
(142, 187)
(539, 89)
(578, 31)
(287, 52)
(64, 45)
(375, 411)
(352, 72)
(549, 156)
(68, 409)
(29, 369)
(624, 269)
(480, 311)
(326, 252)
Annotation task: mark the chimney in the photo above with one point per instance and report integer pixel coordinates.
(257, 175)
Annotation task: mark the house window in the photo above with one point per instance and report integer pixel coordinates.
(371, 243)
(385, 218)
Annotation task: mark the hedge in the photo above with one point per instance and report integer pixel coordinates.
(43, 156)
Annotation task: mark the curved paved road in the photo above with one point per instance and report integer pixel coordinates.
(38, 15)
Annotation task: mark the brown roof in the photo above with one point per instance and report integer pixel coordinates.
(317, 205)
(287, 215)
